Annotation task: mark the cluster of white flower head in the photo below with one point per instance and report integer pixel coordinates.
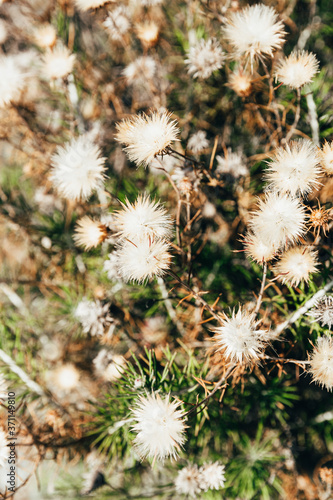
(323, 311)
(143, 249)
(77, 169)
(321, 362)
(146, 136)
(159, 427)
(94, 317)
(205, 57)
(192, 481)
(239, 339)
(117, 23)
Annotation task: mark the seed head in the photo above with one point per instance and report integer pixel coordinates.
(298, 69)
(326, 158)
(160, 427)
(90, 233)
(296, 265)
(58, 63)
(323, 311)
(205, 57)
(321, 367)
(188, 481)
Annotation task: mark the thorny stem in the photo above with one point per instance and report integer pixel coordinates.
(285, 360)
(196, 295)
(297, 116)
(216, 388)
(302, 310)
(262, 288)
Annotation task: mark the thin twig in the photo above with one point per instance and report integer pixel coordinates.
(296, 119)
(302, 310)
(262, 288)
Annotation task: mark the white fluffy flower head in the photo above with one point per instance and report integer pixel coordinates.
(297, 70)
(160, 427)
(93, 316)
(296, 265)
(147, 136)
(198, 142)
(279, 221)
(254, 31)
(205, 57)
(257, 249)
(326, 158)
(294, 168)
(212, 476)
(232, 164)
(77, 169)
(323, 311)
(89, 232)
(12, 80)
(188, 481)
(142, 69)
(117, 23)
(66, 377)
(109, 366)
(239, 338)
(58, 63)
(144, 219)
(143, 259)
(45, 36)
(321, 367)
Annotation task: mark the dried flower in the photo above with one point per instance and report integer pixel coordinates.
(147, 136)
(45, 36)
(188, 481)
(233, 164)
(212, 476)
(296, 265)
(321, 363)
(326, 157)
(319, 218)
(12, 80)
(148, 33)
(94, 316)
(254, 31)
(294, 168)
(90, 233)
(198, 142)
(279, 221)
(257, 249)
(239, 339)
(77, 169)
(117, 23)
(241, 83)
(143, 260)
(160, 427)
(205, 57)
(323, 311)
(142, 69)
(58, 63)
(144, 219)
(298, 69)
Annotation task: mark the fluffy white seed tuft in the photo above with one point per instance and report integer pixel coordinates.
(205, 57)
(160, 427)
(323, 311)
(212, 476)
(12, 80)
(58, 63)
(139, 71)
(298, 69)
(77, 169)
(147, 136)
(239, 338)
(326, 158)
(321, 367)
(117, 23)
(188, 481)
(89, 233)
(279, 221)
(197, 142)
(257, 249)
(296, 265)
(143, 219)
(294, 169)
(254, 31)
(232, 164)
(94, 317)
(143, 259)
